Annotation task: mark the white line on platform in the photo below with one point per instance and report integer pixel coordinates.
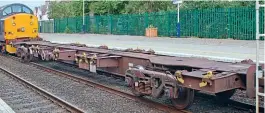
(4, 108)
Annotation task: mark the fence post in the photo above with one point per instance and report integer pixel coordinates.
(40, 27)
(54, 26)
(146, 22)
(168, 24)
(195, 23)
(127, 24)
(197, 28)
(66, 23)
(97, 23)
(76, 18)
(228, 25)
(43, 27)
(87, 18)
(110, 24)
(88, 23)
(59, 26)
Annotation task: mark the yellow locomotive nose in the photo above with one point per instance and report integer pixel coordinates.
(17, 22)
(22, 26)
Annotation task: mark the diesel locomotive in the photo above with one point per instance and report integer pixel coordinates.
(17, 23)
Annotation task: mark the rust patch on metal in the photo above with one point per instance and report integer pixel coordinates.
(250, 79)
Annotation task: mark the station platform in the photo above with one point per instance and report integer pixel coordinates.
(4, 108)
(216, 49)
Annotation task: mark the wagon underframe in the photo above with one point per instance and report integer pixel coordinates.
(148, 73)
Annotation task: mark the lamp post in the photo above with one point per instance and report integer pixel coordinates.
(257, 56)
(178, 2)
(259, 72)
(84, 30)
(178, 24)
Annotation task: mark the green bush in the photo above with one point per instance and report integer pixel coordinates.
(67, 30)
(93, 28)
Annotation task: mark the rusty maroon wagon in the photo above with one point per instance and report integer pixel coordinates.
(149, 74)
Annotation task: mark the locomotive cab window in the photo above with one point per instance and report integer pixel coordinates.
(16, 8)
(26, 10)
(7, 11)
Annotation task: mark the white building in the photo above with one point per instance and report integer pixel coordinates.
(42, 11)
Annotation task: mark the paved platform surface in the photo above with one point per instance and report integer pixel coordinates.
(216, 49)
(4, 108)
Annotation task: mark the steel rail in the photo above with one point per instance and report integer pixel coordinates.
(232, 103)
(116, 91)
(244, 106)
(71, 108)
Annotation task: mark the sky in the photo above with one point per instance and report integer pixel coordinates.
(29, 3)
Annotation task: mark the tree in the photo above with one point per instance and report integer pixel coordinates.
(78, 7)
(61, 9)
(216, 4)
(148, 6)
(107, 7)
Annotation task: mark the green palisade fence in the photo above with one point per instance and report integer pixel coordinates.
(220, 23)
(46, 26)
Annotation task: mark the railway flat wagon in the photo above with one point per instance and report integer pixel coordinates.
(150, 74)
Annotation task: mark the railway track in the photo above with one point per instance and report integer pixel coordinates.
(238, 105)
(232, 103)
(103, 87)
(160, 106)
(23, 96)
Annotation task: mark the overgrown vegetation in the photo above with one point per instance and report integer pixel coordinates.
(61, 9)
(67, 30)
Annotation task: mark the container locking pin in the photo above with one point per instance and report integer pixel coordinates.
(206, 79)
(179, 77)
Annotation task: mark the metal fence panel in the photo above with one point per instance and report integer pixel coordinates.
(236, 23)
(46, 26)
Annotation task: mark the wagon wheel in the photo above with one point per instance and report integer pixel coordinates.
(131, 84)
(223, 97)
(25, 56)
(30, 57)
(134, 91)
(18, 52)
(185, 98)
